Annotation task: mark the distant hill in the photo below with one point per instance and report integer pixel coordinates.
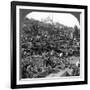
(66, 19)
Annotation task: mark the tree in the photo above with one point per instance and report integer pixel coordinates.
(76, 33)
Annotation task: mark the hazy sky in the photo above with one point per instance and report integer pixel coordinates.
(63, 18)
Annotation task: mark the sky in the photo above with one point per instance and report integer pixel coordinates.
(66, 19)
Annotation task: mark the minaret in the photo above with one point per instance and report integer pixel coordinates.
(52, 18)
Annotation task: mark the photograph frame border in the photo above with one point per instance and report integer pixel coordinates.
(13, 44)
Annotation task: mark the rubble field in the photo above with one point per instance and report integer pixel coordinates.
(49, 50)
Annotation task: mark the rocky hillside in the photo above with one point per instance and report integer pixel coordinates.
(46, 48)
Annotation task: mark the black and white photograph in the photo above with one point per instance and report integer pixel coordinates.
(49, 44)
